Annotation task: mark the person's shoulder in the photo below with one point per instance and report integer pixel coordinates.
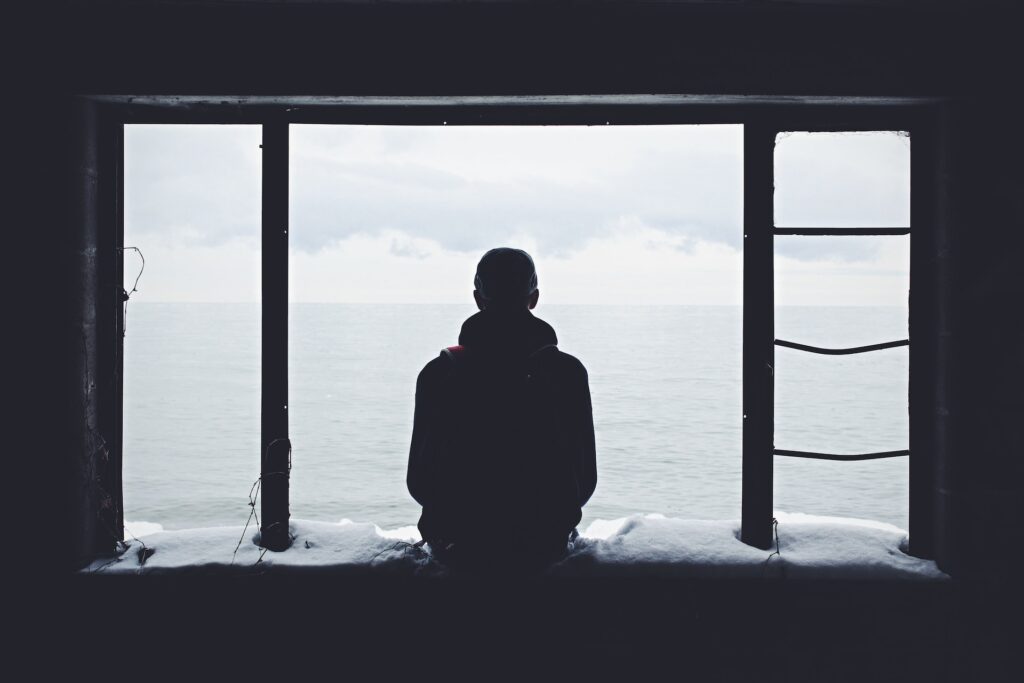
(570, 363)
(433, 369)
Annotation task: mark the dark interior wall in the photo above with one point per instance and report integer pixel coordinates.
(971, 57)
(984, 498)
(466, 47)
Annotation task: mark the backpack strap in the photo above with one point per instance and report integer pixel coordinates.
(542, 349)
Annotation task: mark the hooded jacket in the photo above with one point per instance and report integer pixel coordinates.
(503, 440)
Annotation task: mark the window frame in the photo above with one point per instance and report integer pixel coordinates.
(759, 339)
(762, 119)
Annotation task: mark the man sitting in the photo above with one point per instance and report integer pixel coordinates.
(502, 457)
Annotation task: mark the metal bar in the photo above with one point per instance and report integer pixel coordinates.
(107, 379)
(827, 114)
(758, 333)
(842, 352)
(927, 371)
(274, 447)
(845, 232)
(840, 456)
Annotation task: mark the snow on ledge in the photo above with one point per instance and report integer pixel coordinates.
(639, 545)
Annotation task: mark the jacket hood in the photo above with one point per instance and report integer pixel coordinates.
(514, 334)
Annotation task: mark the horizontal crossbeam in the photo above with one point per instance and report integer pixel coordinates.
(841, 456)
(842, 352)
(812, 232)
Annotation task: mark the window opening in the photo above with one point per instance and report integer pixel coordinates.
(760, 229)
(636, 231)
(191, 345)
(855, 190)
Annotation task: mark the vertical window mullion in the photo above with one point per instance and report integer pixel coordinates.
(926, 408)
(117, 296)
(758, 333)
(274, 443)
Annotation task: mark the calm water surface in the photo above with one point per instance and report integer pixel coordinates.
(665, 383)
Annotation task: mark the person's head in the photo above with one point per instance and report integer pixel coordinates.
(506, 280)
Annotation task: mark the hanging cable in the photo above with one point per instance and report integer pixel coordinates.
(778, 548)
(126, 295)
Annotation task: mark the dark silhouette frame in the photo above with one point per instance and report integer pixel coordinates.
(102, 138)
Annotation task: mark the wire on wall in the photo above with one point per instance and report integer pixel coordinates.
(126, 295)
(254, 494)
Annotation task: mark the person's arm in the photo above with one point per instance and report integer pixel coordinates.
(587, 465)
(419, 477)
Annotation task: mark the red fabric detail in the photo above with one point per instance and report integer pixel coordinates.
(457, 349)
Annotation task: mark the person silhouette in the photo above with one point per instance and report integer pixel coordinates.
(502, 458)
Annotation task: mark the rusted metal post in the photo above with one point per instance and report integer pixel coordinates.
(94, 469)
(758, 333)
(110, 322)
(275, 448)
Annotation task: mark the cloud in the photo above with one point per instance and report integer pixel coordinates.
(819, 277)
(464, 188)
(410, 247)
(633, 264)
(471, 191)
(856, 179)
(859, 179)
(196, 185)
(467, 189)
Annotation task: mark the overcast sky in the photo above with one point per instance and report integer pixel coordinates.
(611, 214)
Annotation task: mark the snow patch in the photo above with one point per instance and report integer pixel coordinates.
(403, 533)
(603, 528)
(809, 546)
(639, 545)
(802, 518)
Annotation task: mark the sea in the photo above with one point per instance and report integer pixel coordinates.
(665, 383)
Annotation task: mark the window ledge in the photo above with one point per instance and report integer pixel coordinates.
(810, 547)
